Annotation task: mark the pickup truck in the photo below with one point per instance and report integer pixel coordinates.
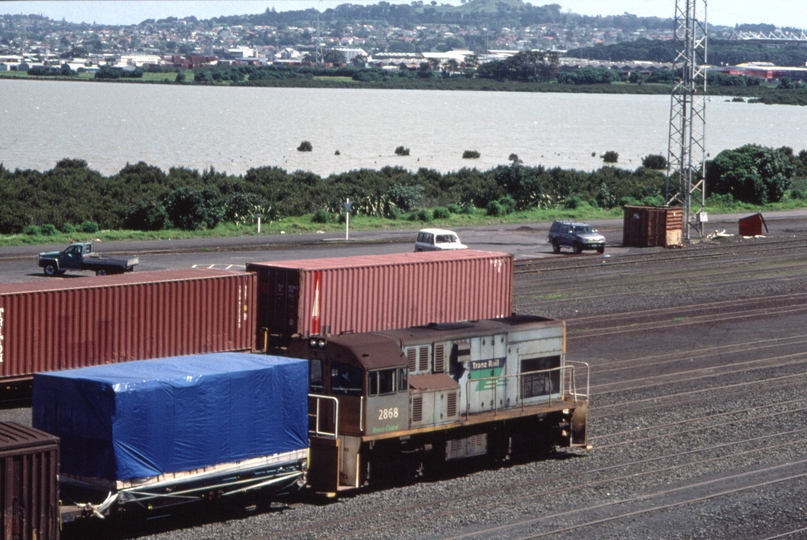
(80, 256)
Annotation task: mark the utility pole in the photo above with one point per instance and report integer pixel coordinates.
(686, 150)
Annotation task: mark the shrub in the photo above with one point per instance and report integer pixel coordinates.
(454, 208)
(32, 230)
(146, 216)
(68, 228)
(470, 154)
(401, 151)
(653, 200)
(49, 230)
(395, 213)
(654, 161)
(305, 146)
(501, 207)
(629, 201)
(88, 227)
(571, 203)
(241, 207)
(797, 194)
(321, 216)
(405, 197)
(441, 213)
(191, 209)
(610, 157)
(420, 215)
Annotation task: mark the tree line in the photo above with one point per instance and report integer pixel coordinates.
(144, 197)
(721, 52)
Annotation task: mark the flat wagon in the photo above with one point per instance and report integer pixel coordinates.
(147, 435)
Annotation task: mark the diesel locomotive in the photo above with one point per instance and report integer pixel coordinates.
(390, 406)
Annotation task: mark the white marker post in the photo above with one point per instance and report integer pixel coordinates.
(348, 204)
(258, 217)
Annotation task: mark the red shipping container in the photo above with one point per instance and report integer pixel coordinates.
(29, 491)
(331, 296)
(68, 323)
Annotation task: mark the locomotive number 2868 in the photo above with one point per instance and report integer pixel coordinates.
(385, 414)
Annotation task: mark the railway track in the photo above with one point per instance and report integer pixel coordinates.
(698, 416)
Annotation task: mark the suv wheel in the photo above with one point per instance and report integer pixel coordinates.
(577, 248)
(555, 246)
(601, 250)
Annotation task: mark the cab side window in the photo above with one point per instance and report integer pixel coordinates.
(315, 375)
(381, 382)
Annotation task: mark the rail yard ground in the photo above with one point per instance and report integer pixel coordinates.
(698, 416)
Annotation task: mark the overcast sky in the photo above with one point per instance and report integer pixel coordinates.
(792, 13)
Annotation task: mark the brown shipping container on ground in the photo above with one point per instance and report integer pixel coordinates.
(379, 292)
(86, 321)
(651, 226)
(29, 492)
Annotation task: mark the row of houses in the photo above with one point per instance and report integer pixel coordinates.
(439, 60)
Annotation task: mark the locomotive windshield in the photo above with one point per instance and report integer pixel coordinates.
(345, 379)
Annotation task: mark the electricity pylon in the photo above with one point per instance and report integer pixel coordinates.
(685, 153)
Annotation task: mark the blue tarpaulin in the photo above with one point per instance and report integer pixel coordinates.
(142, 419)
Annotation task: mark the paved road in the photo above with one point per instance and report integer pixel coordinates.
(526, 240)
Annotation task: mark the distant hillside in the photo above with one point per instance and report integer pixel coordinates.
(490, 13)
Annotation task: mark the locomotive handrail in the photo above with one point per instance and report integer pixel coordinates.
(580, 397)
(567, 381)
(317, 431)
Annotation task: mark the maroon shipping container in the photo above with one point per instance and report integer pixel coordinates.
(68, 323)
(29, 491)
(379, 292)
(651, 226)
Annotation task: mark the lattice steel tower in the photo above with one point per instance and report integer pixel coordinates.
(685, 153)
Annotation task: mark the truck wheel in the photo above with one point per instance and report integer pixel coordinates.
(555, 246)
(100, 272)
(50, 270)
(601, 250)
(577, 248)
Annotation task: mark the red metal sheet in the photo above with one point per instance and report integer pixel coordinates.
(29, 492)
(381, 292)
(752, 225)
(69, 323)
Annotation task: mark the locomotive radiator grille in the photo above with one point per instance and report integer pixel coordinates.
(439, 358)
(451, 404)
(417, 408)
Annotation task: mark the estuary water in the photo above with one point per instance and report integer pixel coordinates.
(235, 129)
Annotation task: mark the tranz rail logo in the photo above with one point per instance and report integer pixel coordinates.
(483, 369)
(493, 363)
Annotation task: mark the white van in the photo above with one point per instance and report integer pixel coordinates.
(437, 239)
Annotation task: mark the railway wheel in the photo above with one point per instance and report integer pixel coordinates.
(555, 246)
(50, 270)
